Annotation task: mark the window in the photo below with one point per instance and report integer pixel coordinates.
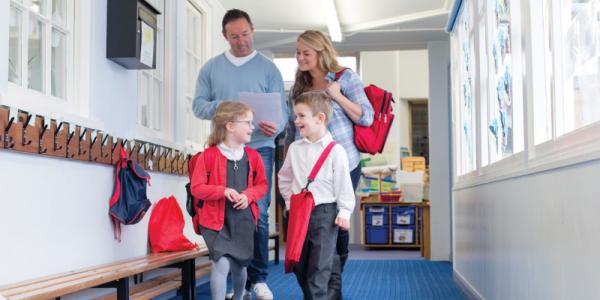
(153, 110)
(466, 85)
(571, 68)
(580, 29)
(483, 61)
(196, 130)
(488, 100)
(542, 72)
(287, 66)
(500, 103)
(41, 46)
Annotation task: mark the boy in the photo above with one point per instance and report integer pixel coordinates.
(331, 189)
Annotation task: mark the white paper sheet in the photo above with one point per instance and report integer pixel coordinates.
(147, 47)
(266, 106)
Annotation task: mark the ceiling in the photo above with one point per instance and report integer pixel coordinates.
(374, 25)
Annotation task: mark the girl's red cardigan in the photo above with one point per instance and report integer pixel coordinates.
(212, 213)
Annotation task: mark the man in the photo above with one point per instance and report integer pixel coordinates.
(243, 69)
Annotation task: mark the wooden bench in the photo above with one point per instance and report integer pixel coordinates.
(116, 275)
(158, 285)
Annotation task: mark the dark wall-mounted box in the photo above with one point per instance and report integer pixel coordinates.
(131, 33)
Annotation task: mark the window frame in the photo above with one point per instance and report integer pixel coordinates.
(166, 118)
(201, 130)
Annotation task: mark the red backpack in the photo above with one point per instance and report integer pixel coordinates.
(372, 139)
(189, 203)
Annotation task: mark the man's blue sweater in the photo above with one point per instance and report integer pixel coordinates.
(220, 80)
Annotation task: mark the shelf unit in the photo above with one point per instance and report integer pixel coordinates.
(422, 232)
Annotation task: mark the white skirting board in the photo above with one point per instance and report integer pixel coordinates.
(466, 287)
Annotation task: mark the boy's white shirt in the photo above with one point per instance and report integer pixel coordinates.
(332, 184)
(231, 154)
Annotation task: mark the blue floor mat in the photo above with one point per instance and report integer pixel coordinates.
(373, 279)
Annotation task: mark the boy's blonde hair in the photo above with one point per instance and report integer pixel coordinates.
(226, 112)
(318, 102)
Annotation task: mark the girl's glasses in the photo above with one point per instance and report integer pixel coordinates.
(248, 122)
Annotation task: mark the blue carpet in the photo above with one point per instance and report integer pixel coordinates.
(371, 279)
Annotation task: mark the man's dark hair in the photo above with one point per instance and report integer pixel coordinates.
(234, 14)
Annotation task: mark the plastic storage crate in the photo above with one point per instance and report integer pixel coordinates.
(403, 234)
(376, 216)
(413, 163)
(376, 234)
(393, 196)
(371, 184)
(403, 215)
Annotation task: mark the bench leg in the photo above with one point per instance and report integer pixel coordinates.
(123, 289)
(193, 278)
(188, 280)
(276, 250)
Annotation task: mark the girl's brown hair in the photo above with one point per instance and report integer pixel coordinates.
(326, 59)
(227, 111)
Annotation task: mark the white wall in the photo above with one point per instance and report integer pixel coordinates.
(405, 74)
(531, 237)
(439, 150)
(54, 215)
(54, 212)
(113, 89)
(218, 42)
(4, 22)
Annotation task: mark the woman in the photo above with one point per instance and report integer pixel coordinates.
(317, 69)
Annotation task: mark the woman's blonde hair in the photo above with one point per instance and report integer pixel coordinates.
(227, 111)
(326, 59)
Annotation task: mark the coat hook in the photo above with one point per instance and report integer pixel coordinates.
(70, 136)
(146, 151)
(42, 131)
(24, 141)
(68, 142)
(57, 147)
(58, 128)
(10, 122)
(9, 140)
(114, 146)
(27, 120)
(83, 133)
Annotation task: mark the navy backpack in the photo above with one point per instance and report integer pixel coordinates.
(129, 202)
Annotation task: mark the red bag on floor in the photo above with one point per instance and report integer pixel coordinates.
(301, 206)
(165, 230)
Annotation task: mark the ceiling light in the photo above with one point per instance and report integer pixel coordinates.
(333, 24)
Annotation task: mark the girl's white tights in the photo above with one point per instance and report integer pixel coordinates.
(218, 278)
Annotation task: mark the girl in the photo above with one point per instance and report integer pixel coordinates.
(226, 183)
